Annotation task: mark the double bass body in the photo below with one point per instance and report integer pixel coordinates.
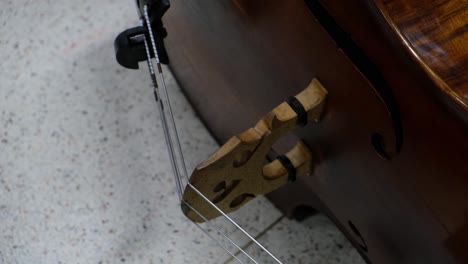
(392, 145)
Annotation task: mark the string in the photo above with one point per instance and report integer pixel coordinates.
(174, 147)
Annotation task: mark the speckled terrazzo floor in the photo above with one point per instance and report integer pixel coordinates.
(84, 173)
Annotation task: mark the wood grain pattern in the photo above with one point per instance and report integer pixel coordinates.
(411, 209)
(436, 34)
(236, 173)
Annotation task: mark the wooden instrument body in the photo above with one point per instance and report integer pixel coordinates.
(238, 59)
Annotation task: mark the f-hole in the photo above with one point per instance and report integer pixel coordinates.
(362, 243)
(365, 66)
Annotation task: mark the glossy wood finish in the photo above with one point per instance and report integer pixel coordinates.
(409, 209)
(435, 33)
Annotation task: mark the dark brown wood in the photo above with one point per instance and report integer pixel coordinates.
(410, 208)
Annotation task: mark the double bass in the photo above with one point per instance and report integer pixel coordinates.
(388, 156)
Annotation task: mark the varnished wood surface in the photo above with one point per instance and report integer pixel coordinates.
(435, 33)
(410, 209)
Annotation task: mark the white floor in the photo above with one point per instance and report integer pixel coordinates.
(84, 172)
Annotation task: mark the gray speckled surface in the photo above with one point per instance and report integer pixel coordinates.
(314, 240)
(84, 172)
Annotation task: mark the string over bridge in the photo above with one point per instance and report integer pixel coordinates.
(236, 173)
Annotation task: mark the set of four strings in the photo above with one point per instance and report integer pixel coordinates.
(175, 149)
